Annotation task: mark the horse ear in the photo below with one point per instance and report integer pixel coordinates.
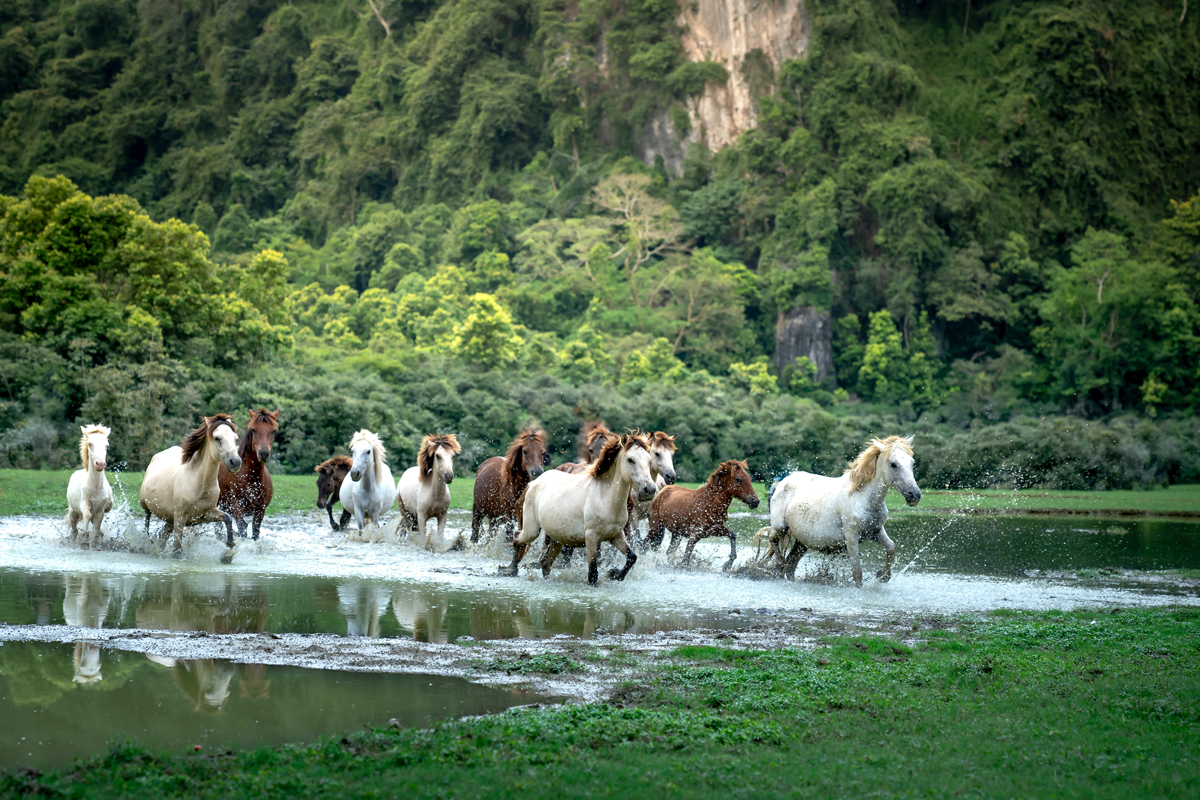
(273, 415)
(83, 428)
(909, 439)
(879, 444)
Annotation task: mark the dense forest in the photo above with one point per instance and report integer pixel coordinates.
(446, 214)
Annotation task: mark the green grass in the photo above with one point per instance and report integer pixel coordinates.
(44, 492)
(1084, 704)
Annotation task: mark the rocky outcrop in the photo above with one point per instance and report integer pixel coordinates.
(805, 331)
(751, 39)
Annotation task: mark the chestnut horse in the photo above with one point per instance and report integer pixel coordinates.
(249, 490)
(500, 482)
(595, 436)
(330, 474)
(699, 513)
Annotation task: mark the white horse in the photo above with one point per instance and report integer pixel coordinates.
(369, 492)
(588, 508)
(181, 484)
(89, 497)
(85, 605)
(834, 514)
(662, 469)
(423, 491)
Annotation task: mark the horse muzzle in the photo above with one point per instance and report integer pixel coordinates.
(264, 456)
(752, 502)
(99, 465)
(355, 474)
(912, 498)
(533, 473)
(320, 502)
(647, 493)
(234, 464)
(448, 477)
(669, 477)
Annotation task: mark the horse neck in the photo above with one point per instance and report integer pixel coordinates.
(876, 491)
(718, 495)
(436, 479)
(207, 462)
(370, 476)
(94, 477)
(250, 461)
(618, 488)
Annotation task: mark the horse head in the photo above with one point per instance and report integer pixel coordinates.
(329, 478)
(527, 454)
(596, 437)
(260, 434)
(733, 478)
(93, 447)
(220, 430)
(897, 457)
(629, 453)
(437, 455)
(365, 452)
(662, 456)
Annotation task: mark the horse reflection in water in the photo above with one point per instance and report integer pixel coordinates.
(363, 605)
(424, 620)
(214, 603)
(85, 605)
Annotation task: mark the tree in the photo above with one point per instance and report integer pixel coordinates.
(487, 338)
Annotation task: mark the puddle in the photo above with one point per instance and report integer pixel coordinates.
(62, 701)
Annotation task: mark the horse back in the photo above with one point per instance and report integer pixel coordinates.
(680, 508)
(493, 496)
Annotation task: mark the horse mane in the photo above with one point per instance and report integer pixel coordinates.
(88, 430)
(327, 466)
(725, 468)
(262, 415)
(429, 448)
(377, 448)
(608, 456)
(661, 439)
(513, 468)
(862, 469)
(193, 443)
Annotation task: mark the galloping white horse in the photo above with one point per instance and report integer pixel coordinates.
(181, 484)
(662, 469)
(369, 492)
(423, 491)
(834, 514)
(588, 508)
(89, 497)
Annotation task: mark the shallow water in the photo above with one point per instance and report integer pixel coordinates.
(62, 701)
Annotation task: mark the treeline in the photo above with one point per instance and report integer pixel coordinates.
(1000, 221)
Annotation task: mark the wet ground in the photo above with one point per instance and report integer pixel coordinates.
(128, 641)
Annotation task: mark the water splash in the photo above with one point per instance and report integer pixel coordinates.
(925, 547)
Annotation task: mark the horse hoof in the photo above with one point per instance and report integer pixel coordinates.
(227, 557)
(615, 575)
(177, 553)
(884, 577)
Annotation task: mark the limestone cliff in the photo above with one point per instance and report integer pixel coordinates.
(751, 39)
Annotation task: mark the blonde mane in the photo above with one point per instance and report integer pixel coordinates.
(661, 439)
(608, 456)
(377, 448)
(862, 469)
(88, 430)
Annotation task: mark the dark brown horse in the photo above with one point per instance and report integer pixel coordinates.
(249, 490)
(500, 482)
(699, 513)
(595, 436)
(330, 474)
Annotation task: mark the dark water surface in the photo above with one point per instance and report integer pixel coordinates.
(61, 701)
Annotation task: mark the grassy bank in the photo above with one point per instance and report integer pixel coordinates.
(44, 492)
(1084, 704)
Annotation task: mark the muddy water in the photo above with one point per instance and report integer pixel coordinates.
(62, 701)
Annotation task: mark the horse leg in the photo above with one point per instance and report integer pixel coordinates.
(72, 523)
(329, 508)
(85, 514)
(732, 550)
(885, 574)
(422, 531)
(855, 563)
(674, 545)
(476, 524)
(593, 546)
(691, 544)
(622, 544)
(257, 526)
(654, 534)
(343, 522)
(793, 558)
(177, 529)
(567, 554)
(147, 523)
(551, 552)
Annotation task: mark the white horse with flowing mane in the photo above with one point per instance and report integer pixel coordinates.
(423, 491)
(368, 492)
(181, 486)
(662, 469)
(588, 508)
(89, 497)
(830, 515)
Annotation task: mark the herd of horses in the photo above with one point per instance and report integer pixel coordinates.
(620, 480)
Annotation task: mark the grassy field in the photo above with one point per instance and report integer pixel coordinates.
(1084, 704)
(44, 492)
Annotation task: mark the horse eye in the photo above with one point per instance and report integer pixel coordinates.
(630, 460)
(739, 480)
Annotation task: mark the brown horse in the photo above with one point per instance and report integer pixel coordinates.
(249, 490)
(700, 513)
(330, 474)
(595, 436)
(500, 482)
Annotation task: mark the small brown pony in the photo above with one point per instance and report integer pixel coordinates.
(500, 482)
(699, 513)
(249, 490)
(330, 474)
(595, 436)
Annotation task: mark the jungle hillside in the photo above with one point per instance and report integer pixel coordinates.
(974, 221)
